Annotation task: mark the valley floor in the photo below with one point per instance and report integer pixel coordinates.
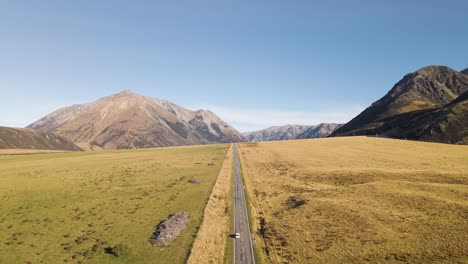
(358, 200)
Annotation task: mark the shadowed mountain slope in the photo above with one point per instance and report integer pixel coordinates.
(448, 124)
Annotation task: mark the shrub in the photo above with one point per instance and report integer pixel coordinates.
(117, 250)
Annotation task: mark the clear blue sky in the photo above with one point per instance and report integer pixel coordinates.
(254, 63)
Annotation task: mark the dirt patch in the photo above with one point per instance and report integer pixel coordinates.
(168, 230)
(194, 181)
(294, 202)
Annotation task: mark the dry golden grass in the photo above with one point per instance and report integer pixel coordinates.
(358, 200)
(210, 243)
(416, 105)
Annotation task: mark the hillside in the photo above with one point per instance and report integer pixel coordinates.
(291, 132)
(465, 71)
(428, 90)
(22, 138)
(129, 120)
(448, 124)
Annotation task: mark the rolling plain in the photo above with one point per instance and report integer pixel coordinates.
(75, 207)
(358, 200)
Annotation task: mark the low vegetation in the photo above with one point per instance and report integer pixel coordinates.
(210, 243)
(358, 200)
(102, 207)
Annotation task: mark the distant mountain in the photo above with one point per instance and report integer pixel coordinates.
(22, 138)
(465, 71)
(291, 132)
(319, 131)
(129, 120)
(425, 105)
(276, 133)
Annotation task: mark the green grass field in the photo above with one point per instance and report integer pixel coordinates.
(69, 207)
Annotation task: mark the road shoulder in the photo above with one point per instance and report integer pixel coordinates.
(210, 243)
(252, 207)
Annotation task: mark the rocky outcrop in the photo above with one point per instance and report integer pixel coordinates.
(168, 230)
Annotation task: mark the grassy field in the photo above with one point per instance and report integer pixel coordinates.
(358, 200)
(69, 207)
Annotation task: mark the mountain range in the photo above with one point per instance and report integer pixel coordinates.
(291, 132)
(429, 104)
(129, 120)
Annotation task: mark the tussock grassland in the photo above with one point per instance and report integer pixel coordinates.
(358, 200)
(73, 207)
(209, 245)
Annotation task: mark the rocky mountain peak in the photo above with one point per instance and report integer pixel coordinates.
(124, 93)
(130, 120)
(433, 69)
(124, 96)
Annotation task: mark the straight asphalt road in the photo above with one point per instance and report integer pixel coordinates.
(243, 250)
